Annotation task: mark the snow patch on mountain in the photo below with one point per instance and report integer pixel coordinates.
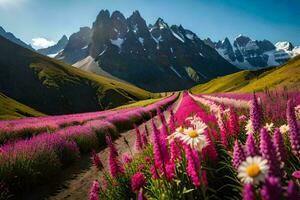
(174, 70)
(177, 36)
(118, 42)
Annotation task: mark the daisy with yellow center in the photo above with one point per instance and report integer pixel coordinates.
(284, 129)
(253, 170)
(269, 126)
(195, 138)
(177, 134)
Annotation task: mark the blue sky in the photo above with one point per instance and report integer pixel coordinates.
(276, 20)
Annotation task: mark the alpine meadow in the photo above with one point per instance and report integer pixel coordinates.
(146, 100)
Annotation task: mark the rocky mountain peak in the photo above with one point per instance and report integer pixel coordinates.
(209, 42)
(288, 46)
(241, 40)
(132, 51)
(161, 24)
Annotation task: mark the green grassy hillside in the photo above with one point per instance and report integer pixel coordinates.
(53, 87)
(287, 76)
(11, 109)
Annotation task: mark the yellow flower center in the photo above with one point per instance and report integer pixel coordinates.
(193, 134)
(253, 170)
(180, 129)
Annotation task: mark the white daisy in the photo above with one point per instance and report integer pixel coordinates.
(269, 126)
(249, 127)
(195, 138)
(197, 122)
(177, 134)
(284, 129)
(253, 170)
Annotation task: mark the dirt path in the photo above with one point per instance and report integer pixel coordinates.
(76, 181)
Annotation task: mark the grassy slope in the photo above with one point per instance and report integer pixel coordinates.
(53, 87)
(11, 109)
(65, 72)
(287, 75)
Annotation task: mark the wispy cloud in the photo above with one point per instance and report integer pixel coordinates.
(6, 4)
(42, 42)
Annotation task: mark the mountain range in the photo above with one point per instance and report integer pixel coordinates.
(52, 51)
(14, 39)
(155, 57)
(246, 53)
(53, 87)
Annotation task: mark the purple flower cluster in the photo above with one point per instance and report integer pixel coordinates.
(294, 131)
(268, 152)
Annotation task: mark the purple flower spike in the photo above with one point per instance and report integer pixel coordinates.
(255, 114)
(111, 146)
(279, 145)
(158, 149)
(268, 152)
(94, 191)
(292, 191)
(138, 140)
(271, 189)
(238, 155)
(248, 192)
(251, 148)
(294, 132)
(233, 122)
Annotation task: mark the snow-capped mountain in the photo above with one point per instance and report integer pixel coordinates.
(246, 53)
(54, 50)
(157, 57)
(14, 39)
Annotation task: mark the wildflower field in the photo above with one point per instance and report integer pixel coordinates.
(33, 150)
(212, 146)
(218, 146)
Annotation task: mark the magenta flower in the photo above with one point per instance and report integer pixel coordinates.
(193, 165)
(292, 191)
(137, 181)
(296, 174)
(174, 150)
(127, 158)
(209, 152)
(138, 140)
(294, 132)
(268, 152)
(115, 167)
(233, 122)
(238, 155)
(222, 127)
(159, 147)
(251, 148)
(279, 145)
(96, 160)
(248, 192)
(94, 191)
(271, 189)
(153, 171)
(144, 139)
(170, 170)
(147, 159)
(255, 114)
(111, 146)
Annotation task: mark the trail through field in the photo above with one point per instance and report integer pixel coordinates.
(75, 182)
